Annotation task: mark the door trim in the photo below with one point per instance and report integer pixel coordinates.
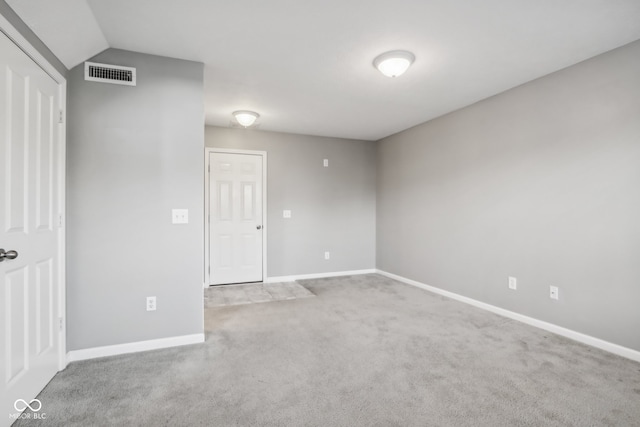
(207, 194)
(10, 31)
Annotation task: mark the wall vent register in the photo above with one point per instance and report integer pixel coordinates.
(105, 73)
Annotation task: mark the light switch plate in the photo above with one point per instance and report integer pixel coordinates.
(180, 216)
(325, 163)
(286, 214)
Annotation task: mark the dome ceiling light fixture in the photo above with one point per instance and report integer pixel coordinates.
(245, 118)
(394, 63)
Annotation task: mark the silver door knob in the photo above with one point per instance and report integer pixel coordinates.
(259, 227)
(8, 255)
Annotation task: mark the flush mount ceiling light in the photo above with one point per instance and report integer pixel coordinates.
(394, 63)
(245, 118)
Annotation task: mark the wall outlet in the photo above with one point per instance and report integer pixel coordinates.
(327, 255)
(151, 303)
(553, 292)
(325, 163)
(179, 216)
(286, 214)
(513, 283)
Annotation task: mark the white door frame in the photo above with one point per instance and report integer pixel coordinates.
(7, 28)
(207, 195)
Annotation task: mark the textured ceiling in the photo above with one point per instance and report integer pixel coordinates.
(306, 66)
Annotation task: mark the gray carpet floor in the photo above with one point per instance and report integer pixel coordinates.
(367, 351)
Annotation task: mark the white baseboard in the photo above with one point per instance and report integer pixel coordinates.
(559, 330)
(133, 347)
(318, 275)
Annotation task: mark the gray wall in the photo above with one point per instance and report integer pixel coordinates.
(541, 182)
(333, 209)
(26, 32)
(133, 154)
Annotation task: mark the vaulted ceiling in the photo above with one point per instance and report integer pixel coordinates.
(306, 65)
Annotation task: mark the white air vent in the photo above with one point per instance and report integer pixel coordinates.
(106, 73)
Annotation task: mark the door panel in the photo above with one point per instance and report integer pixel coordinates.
(44, 299)
(16, 320)
(235, 231)
(16, 151)
(248, 201)
(29, 200)
(44, 158)
(224, 200)
(248, 246)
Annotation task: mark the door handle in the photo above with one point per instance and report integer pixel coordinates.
(8, 255)
(259, 227)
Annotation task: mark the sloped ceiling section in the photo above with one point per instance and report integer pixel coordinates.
(306, 66)
(67, 27)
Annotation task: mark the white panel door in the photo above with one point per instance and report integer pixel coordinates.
(235, 209)
(29, 331)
